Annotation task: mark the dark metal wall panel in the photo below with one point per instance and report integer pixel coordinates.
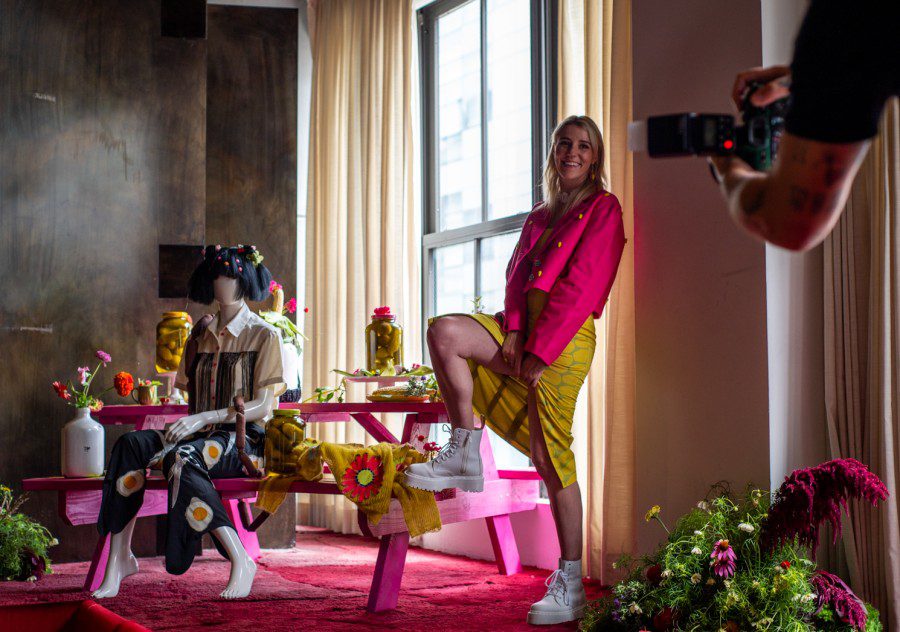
(102, 157)
(251, 153)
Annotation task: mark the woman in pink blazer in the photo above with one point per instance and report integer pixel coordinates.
(522, 369)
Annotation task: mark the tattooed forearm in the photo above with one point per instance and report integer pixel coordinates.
(756, 200)
(798, 197)
(833, 168)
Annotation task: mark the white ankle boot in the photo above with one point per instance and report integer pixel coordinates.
(565, 598)
(457, 465)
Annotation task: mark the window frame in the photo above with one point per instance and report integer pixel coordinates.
(543, 116)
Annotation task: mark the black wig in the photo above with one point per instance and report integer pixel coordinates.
(243, 263)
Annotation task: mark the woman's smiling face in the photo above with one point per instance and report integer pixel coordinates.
(573, 156)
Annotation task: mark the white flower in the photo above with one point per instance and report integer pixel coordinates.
(746, 528)
(807, 597)
(696, 532)
(695, 578)
(703, 505)
(54, 542)
(32, 578)
(615, 565)
(696, 551)
(634, 608)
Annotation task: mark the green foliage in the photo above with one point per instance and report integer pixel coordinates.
(286, 327)
(769, 591)
(23, 542)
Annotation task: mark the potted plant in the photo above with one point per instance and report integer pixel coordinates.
(23, 542)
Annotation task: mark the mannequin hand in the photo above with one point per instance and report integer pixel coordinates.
(512, 351)
(532, 369)
(185, 426)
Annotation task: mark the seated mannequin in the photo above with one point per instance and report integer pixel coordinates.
(238, 354)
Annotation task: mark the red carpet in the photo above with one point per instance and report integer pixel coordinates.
(320, 585)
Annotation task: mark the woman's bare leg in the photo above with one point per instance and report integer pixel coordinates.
(451, 341)
(565, 503)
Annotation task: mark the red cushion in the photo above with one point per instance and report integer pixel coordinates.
(38, 617)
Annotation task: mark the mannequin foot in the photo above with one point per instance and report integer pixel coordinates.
(115, 573)
(241, 581)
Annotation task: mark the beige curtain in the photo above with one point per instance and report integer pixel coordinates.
(363, 237)
(862, 362)
(594, 78)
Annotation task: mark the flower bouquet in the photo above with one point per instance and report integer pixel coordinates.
(278, 317)
(81, 397)
(745, 564)
(23, 542)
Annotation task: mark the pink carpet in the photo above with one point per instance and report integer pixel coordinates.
(321, 585)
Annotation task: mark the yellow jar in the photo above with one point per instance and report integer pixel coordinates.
(384, 342)
(171, 335)
(285, 433)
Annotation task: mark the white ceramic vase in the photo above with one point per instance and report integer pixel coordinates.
(290, 360)
(82, 446)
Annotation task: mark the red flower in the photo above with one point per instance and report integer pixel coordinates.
(664, 619)
(831, 590)
(654, 574)
(421, 437)
(305, 310)
(96, 406)
(785, 565)
(61, 390)
(124, 383)
(291, 306)
(809, 497)
(362, 478)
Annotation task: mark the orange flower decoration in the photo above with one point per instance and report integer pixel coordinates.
(124, 383)
(363, 477)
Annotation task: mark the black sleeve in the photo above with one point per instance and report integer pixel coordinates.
(844, 69)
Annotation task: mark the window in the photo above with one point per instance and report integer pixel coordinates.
(487, 77)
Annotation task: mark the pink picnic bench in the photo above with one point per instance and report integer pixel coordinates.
(505, 491)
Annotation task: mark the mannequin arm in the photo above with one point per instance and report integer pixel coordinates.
(255, 409)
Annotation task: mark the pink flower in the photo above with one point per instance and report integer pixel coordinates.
(83, 374)
(291, 306)
(724, 559)
(274, 285)
(831, 590)
(103, 357)
(809, 497)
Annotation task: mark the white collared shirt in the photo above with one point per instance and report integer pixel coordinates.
(238, 359)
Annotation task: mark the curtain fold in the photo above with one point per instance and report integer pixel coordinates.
(594, 78)
(862, 362)
(363, 238)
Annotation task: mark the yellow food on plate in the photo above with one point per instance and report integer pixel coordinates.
(394, 394)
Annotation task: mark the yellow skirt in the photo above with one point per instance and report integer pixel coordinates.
(502, 400)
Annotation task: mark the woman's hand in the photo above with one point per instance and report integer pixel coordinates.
(185, 426)
(776, 82)
(512, 348)
(532, 370)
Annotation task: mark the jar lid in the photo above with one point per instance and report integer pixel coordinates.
(177, 315)
(286, 412)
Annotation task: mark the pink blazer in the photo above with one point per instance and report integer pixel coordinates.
(577, 268)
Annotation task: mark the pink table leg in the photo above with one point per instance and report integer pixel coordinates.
(248, 538)
(506, 552)
(374, 427)
(98, 565)
(388, 572)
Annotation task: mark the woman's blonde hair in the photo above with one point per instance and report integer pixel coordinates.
(554, 202)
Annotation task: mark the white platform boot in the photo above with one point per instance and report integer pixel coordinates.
(457, 465)
(565, 599)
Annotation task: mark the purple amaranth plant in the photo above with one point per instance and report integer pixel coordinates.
(724, 559)
(832, 591)
(810, 496)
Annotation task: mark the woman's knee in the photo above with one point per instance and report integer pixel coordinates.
(442, 334)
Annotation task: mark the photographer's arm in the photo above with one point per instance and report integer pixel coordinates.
(798, 202)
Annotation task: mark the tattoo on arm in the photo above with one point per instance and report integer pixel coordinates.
(798, 197)
(834, 171)
(755, 202)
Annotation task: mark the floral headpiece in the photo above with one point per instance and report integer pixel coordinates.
(251, 254)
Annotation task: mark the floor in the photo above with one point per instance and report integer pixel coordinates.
(322, 584)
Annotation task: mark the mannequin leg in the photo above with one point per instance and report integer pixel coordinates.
(121, 562)
(243, 569)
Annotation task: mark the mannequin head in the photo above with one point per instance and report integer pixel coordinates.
(229, 275)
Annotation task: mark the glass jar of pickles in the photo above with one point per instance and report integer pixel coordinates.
(285, 433)
(384, 342)
(171, 335)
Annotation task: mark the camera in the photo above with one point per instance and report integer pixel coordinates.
(755, 140)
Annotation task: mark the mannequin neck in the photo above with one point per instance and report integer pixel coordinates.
(227, 312)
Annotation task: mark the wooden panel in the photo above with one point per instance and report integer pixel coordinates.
(102, 157)
(251, 150)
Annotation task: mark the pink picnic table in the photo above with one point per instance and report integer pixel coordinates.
(505, 491)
